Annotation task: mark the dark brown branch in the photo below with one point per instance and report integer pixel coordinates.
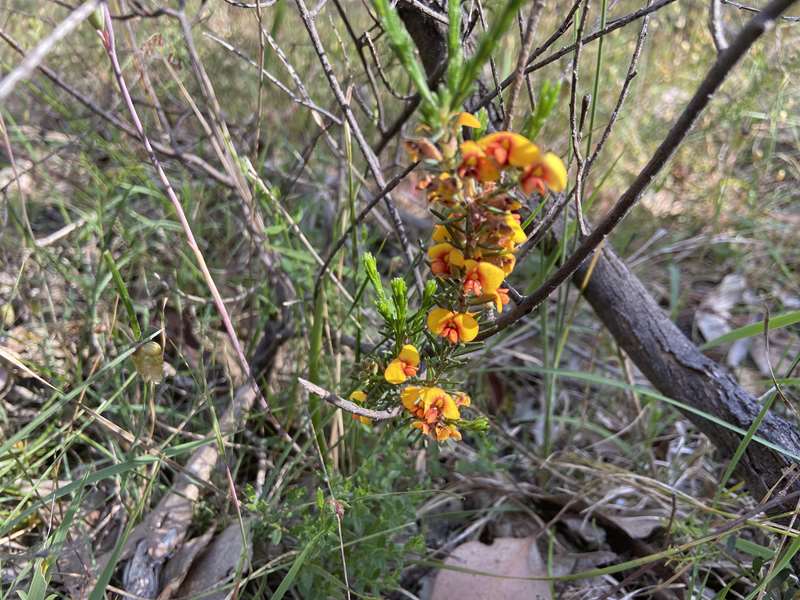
(629, 76)
(713, 79)
(677, 369)
(527, 46)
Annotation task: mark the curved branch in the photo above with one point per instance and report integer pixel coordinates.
(346, 405)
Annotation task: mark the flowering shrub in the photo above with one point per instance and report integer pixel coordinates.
(473, 189)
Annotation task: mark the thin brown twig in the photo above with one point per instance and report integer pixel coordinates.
(108, 42)
(272, 79)
(361, 216)
(364, 62)
(718, 72)
(575, 127)
(527, 46)
(366, 149)
(612, 26)
(492, 64)
(752, 9)
(629, 77)
(189, 159)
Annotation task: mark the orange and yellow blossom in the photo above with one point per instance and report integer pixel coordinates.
(444, 256)
(404, 366)
(548, 171)
(482, 277)
(440, 431)
(432, 408)
(476, 163)
(455, 327)
(509, 149)
(359, 397)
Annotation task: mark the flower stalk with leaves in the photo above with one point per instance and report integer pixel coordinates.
(476, 185)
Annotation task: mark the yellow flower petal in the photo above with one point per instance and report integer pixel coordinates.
(523, 152)
(466, 119)
(491, 277)
(437, 319)
(440, 234)
(471, 149)
(556, 172)
(456, 258)
(450, 410)
(409, 396)
(394, 372)
(467, 327)
(439, 250)
(409, 355)
(518, 233)
(358, 396)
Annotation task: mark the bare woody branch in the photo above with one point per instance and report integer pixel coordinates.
(347, 405)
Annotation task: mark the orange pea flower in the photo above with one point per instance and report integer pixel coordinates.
(359, 397)
(440, 431)
(455, 327)
(434, 407)
(549, 171)
(476, 163)
(404, 366)
(482, 277)
(444, 256)
(509, 149)
(410, 398)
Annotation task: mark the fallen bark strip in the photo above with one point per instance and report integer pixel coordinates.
(677, 368)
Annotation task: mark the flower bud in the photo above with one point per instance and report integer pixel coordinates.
(149, 361)
(97, 19)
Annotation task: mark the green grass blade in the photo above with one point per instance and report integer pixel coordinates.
(783, 320)
(295, 568)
